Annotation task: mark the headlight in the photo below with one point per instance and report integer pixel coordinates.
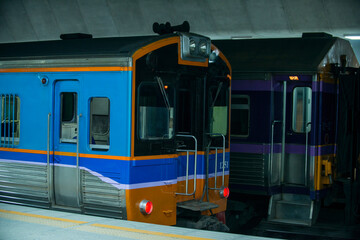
(203, 48)
(192, 46)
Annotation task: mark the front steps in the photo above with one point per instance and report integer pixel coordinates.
(292, 209)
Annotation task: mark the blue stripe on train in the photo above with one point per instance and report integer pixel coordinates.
(121, 171)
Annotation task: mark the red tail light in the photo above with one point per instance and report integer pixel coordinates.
(224, 192)
(146, 207)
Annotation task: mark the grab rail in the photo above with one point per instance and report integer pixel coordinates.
(283, 137)
(48, 157)
(8, 122)
(5, 113)
(187, 165)
(1, 119)
(77, 161)
(13, 121)
(216, 157)
(306, 151)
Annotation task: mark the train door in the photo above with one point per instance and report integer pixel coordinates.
(297, 112)
(293, 203)
(66, 143)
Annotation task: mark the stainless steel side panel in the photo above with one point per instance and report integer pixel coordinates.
(65, 186)
(27, 184)
(275, 169)
(294, 169)
(24, 183)
(100, 197)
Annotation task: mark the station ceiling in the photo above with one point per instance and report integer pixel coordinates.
(35, 20)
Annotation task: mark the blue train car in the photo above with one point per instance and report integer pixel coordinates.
(286, 123)
(135, 128)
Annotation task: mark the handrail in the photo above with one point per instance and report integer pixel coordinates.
(48, 157)
(77, 141)
(306, 151)
(272, 145)
(5, 112)
(187, 165)
(1, 120)
(283, 138)
(13, 123)
(9, 122)
(77, 161)
(223, 170)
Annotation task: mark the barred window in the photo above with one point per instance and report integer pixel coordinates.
(10, 120)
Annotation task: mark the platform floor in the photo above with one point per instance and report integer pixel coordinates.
(20, 222)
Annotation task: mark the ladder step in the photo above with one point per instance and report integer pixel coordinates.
(291, 209)
(303, 222)
(305, 204)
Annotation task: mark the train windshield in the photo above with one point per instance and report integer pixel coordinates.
(175, 99)
(218, 110)
(156, 111)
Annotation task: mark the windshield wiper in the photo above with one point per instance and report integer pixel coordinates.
(162, 90)
(217, 94)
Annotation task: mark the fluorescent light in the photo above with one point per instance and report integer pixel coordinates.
(352, 36)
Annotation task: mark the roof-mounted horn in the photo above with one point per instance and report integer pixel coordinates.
(167, 28)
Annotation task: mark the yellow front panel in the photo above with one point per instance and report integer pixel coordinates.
(163, 199)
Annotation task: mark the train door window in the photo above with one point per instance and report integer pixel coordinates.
(301, 110)
(99, 123)
(68, 107)
(10, 120)
(240, 115)
(219, 109)
(156, 111)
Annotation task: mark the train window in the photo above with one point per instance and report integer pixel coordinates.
(219, 109)
(240, 115)
(156, 112)
(68, 118)
(99, 123)
(10, 120)
(301, 110)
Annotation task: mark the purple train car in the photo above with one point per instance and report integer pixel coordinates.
(294, 131)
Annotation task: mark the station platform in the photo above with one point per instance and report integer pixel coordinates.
(20, 222)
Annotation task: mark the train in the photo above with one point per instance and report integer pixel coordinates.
(294, 128)
(136, 128)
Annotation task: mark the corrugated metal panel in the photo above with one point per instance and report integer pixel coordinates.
(24, 183)
(102, 198)
(247, 169)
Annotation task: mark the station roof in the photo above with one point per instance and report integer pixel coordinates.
(304, 54)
